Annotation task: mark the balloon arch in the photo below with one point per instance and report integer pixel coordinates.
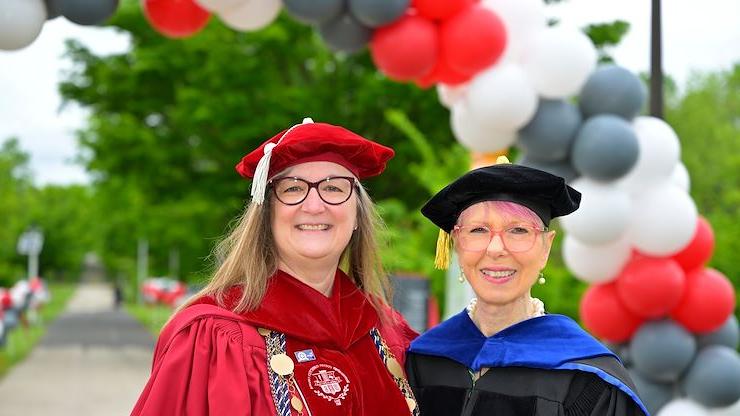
(510, 79)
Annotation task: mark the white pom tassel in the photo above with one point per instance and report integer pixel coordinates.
(259, 182)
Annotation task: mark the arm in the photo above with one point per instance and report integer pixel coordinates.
(198, 369)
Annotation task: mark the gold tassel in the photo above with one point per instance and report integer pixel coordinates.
(502, 160)
(444, 245)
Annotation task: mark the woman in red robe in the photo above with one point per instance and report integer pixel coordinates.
(281, 329)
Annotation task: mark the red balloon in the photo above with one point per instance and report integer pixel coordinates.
(708, 302)
(441, 73)
(406, 49)
(472, 40)
(176, 18)
(440, 9)
(651, 287)
(604, 315)
(700, 249)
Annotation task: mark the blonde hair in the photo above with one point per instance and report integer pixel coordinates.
(248, 258)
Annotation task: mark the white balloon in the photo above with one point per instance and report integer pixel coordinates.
(476, 136)
(20, 22)
(664, 221)
(252, 14)
(682, 407)
(220, 6)
(658, 156)
(733, 410)
(593, 263)
(449, 95)
(522, 20)
(680, 177)
(604, 214)
(502, 98)
(558, 61)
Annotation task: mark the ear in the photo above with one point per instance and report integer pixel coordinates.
(547, 246)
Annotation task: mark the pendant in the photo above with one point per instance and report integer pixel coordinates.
(297, 404)
(394, 367)
(264, 331)
(281, 364)
(411, 403)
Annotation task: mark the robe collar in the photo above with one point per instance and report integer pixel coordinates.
(544, 342)
(301, 312)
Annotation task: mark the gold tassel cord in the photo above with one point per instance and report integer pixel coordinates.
(444, 246)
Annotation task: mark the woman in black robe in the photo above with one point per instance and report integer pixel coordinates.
(503, 355)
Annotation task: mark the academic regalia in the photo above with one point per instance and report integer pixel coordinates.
(209, 361)
(541, 366)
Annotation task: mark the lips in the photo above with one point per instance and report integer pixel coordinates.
(499, 276)
(313, 227)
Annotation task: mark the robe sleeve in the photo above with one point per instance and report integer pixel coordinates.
(591, 396)
(198, 370)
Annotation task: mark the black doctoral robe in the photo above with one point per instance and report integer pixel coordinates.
(545, 366)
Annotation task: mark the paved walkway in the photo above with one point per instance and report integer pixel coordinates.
(92, 361)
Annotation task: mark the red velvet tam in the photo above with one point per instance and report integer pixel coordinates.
(312, 142)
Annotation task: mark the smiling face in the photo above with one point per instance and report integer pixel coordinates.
(313, 231)
(498, 276)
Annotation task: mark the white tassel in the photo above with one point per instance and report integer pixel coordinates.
(259, 182)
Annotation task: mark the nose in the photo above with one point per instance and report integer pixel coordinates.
(313, 204)
(496, 245)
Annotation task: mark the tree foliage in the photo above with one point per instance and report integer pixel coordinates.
(707, 121)
(170, 119)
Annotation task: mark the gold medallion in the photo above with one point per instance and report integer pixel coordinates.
(281, 364)
(394, 367)
(296, 403)
(264, 331)
(411, 403)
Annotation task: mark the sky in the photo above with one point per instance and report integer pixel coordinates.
(697, 36)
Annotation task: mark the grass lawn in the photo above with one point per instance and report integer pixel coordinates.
(21, 341)
(153, 317)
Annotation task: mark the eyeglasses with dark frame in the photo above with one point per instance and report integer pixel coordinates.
(334, 190)
(517, 237)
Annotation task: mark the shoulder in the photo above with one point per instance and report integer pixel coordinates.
(207, 324)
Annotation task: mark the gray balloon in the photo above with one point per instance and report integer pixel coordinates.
(613, 90)
(605, 148)
(345, 34)
(662, 350)
(550, 133)
(314, 11)
(728, 335)
(653, 395)
(714, 378)
(374, 13)
(562, 168)
(86, 12)
(52, 9)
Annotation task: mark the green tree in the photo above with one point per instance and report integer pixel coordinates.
(15, 189)
(707, 123)
(170, 119)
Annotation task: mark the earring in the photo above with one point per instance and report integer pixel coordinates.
(461, 278)
(541, 280)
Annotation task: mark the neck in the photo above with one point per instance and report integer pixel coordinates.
(319, 277)
(491, 318)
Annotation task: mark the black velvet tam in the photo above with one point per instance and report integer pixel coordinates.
(545, 194)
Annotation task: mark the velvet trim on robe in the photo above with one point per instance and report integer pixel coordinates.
(549, 342)
(210, 361)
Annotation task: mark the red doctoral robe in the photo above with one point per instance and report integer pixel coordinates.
(210, 361)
